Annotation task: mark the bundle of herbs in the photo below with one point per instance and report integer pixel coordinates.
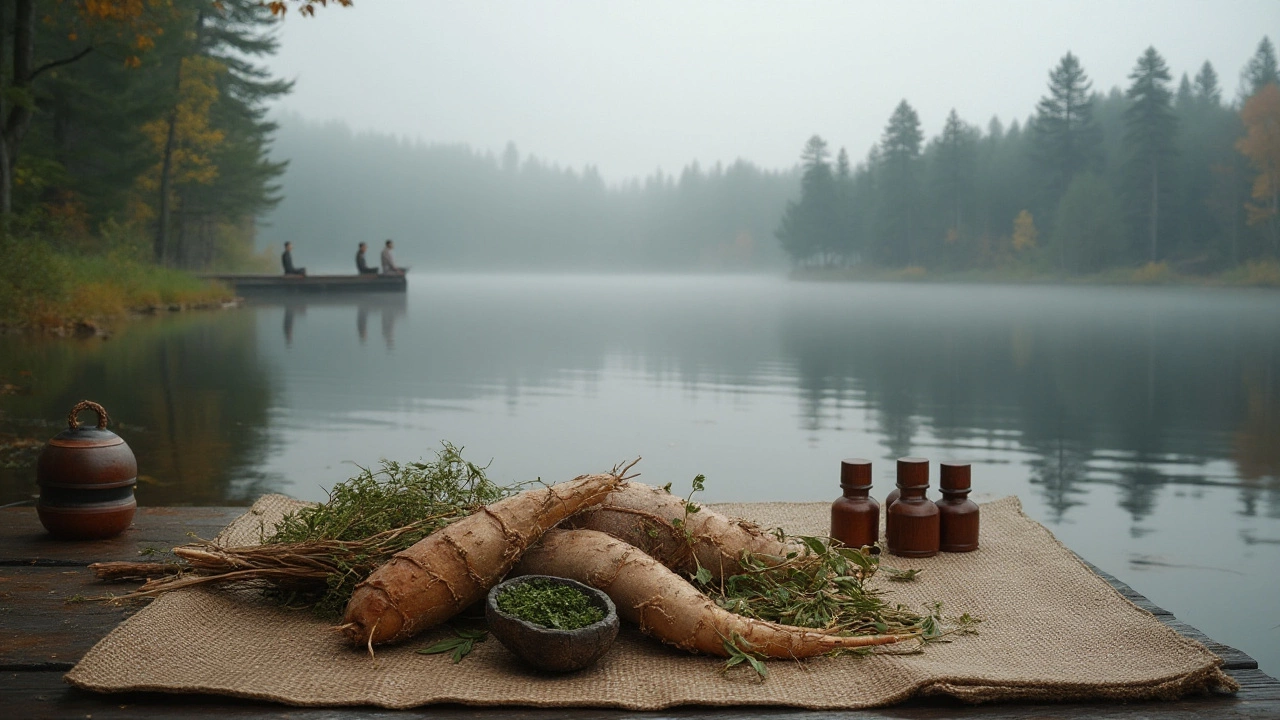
(824, 587)
(818, 583)
(316, 556)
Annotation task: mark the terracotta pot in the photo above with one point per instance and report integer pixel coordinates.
(86, 477)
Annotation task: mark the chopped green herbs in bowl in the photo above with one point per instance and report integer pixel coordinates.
(552, 623)
(550, 604)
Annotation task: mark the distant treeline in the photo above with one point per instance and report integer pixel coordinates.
(137, 128)
(450, 206)
(1155, 173)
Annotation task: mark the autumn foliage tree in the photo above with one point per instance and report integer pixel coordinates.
(1261, 144)
(144, 114)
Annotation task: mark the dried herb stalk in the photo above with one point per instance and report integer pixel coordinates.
(316, 556)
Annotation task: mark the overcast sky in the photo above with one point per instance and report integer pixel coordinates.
(632, 86)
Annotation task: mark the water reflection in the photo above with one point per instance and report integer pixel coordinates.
(292, 310)
(1135, 390)
(189, 394)
(390, 308)
(1132, 389)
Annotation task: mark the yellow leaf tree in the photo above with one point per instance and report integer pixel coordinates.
(1024, 232)
(131, 24)
(1261, 144)
(187, 135)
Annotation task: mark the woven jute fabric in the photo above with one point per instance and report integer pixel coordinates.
(1051, 630)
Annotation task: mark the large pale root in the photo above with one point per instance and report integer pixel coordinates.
(442, 574)
(642, 515)
(668, 607)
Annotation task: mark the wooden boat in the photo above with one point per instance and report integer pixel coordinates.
(284, 284)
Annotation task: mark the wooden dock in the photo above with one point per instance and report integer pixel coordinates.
(42, 635)
(311, 284)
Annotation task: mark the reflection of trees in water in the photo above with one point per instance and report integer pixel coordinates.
(188, 393)
(1058, 469)
(1256, 443)
(1139, 486)
(1145, 384)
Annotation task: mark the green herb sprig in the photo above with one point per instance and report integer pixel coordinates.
(461, 645)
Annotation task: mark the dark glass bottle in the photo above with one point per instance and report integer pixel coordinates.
(855, 515)
(916, 467)
(958, 515)
(912, 522)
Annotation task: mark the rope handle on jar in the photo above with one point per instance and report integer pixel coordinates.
(74, 424)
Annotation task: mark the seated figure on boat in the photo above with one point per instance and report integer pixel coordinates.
(389, 266)
(362, 267)
(286, 259)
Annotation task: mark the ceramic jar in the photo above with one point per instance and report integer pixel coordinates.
(86, 477)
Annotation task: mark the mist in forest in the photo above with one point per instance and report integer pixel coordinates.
(755, 137)
(924, 138)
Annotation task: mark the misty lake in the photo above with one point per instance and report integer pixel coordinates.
(1141, 425)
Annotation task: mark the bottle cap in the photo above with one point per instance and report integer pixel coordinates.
(855, 474)
(953, 475)
(913, 472)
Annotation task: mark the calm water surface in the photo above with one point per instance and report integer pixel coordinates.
(1142, 426)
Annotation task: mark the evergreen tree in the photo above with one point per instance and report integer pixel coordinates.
(234, 34)
(1150, 131)
(1206, 86)
(1185, 94)
(810, 227)
(1088, 231)
(1206, 132)
(1260, 71)
(955, 163)
(510, 159)
(846, 231)
(1066, 136)
(899, 154)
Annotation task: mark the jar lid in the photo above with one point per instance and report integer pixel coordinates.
(913, 472)
(855, 474)
(954, 475)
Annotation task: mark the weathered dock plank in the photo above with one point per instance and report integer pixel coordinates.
(43, 694)
(311, 284)
(23, 541)
(42, 626)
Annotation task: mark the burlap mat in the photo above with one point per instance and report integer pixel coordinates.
(1052, 630)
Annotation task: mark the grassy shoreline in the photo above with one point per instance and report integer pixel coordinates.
(43, 290)
(1263, 273)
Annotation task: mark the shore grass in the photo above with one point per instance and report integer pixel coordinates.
(42, 288)
(1255, 273)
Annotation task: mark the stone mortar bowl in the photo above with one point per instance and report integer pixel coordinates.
(547, 648)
